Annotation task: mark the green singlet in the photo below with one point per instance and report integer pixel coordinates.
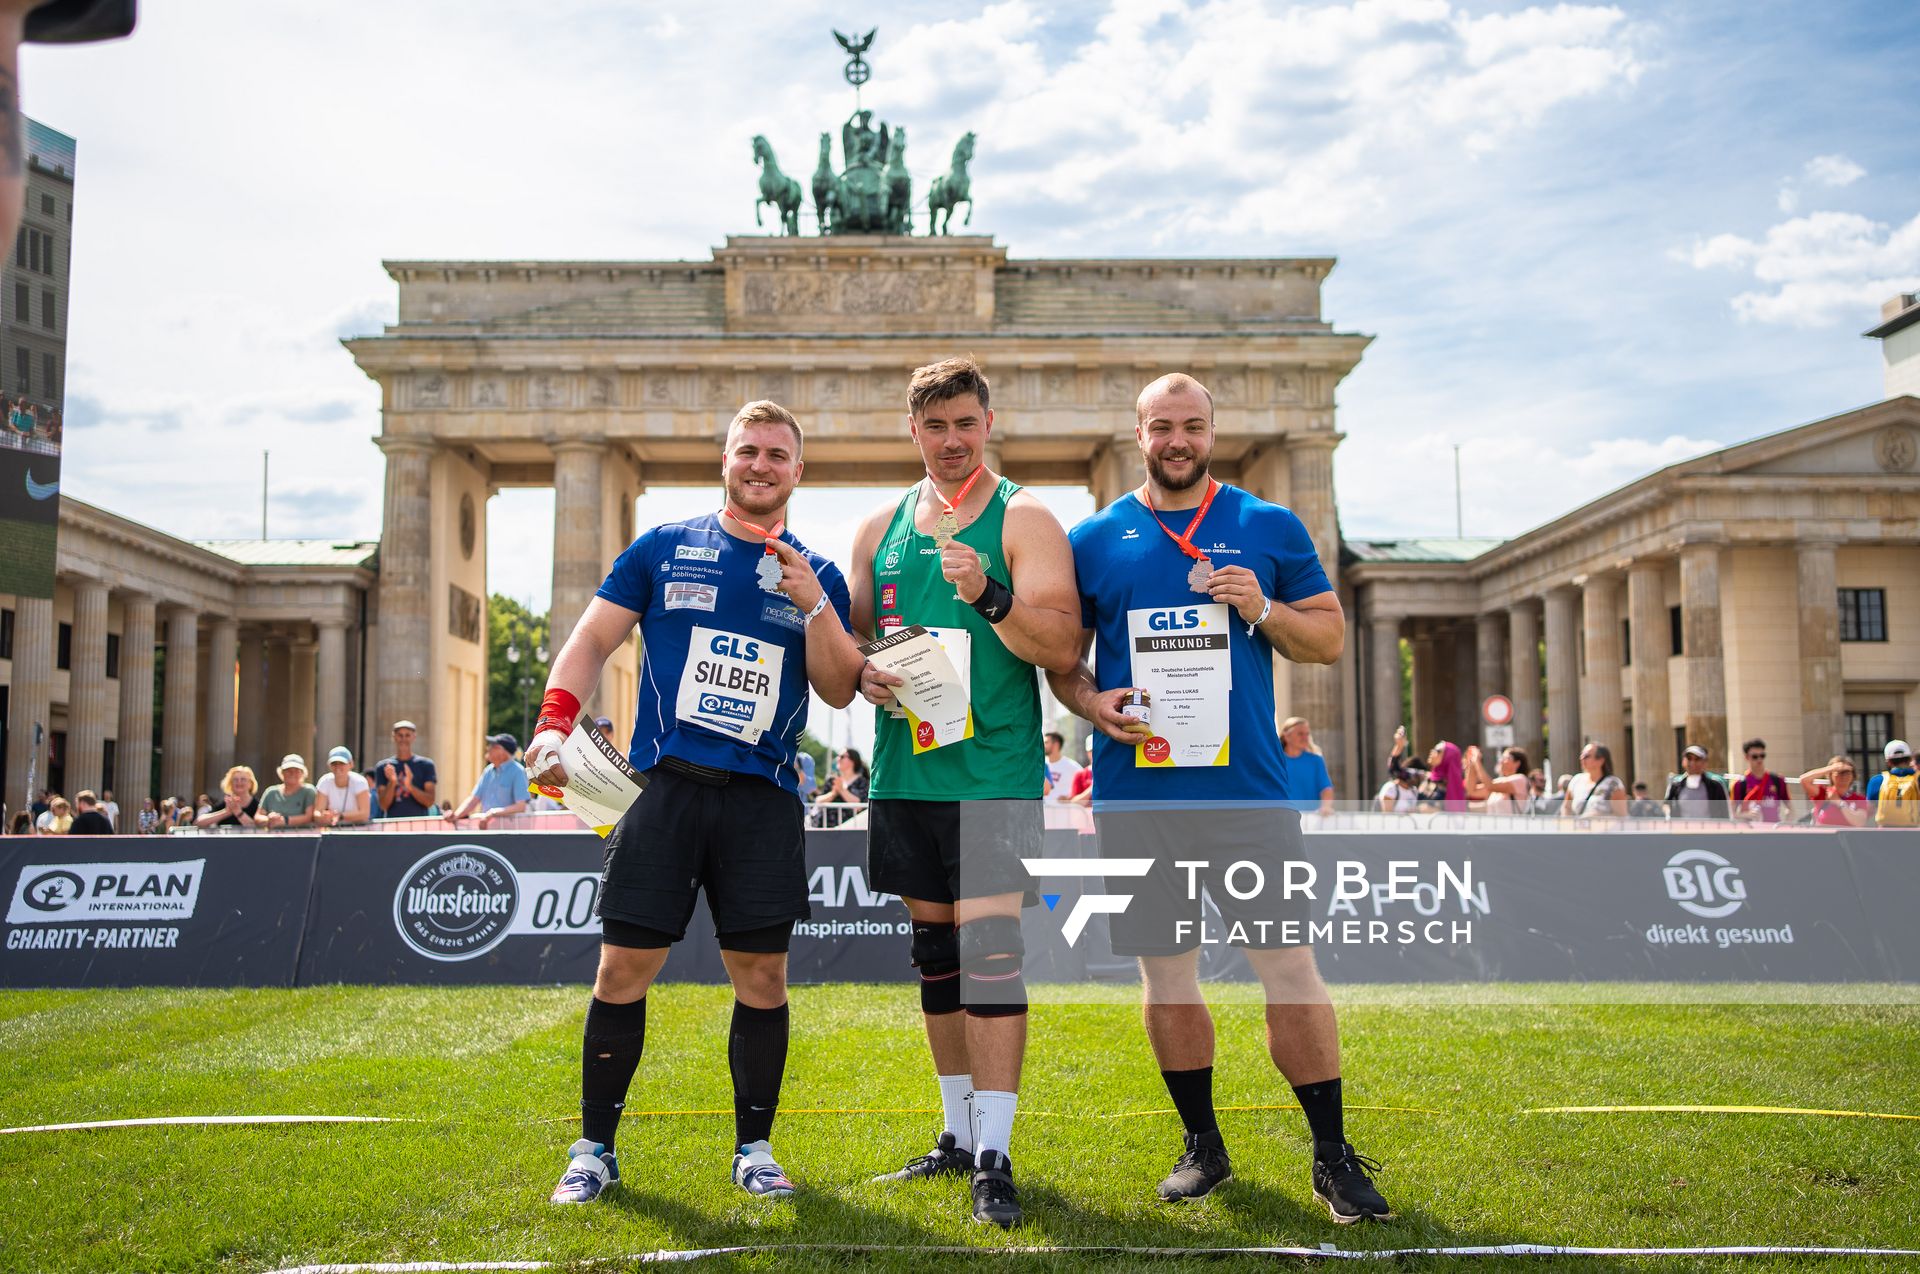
(1003, 760)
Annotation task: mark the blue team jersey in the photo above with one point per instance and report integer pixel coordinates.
(1126, 563)
(723, 675)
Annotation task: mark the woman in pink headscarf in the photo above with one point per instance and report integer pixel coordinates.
(1442, 782)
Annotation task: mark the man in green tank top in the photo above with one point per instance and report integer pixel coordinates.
(987, 568)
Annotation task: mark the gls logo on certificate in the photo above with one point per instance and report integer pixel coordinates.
(730, 684)
(1183, 657)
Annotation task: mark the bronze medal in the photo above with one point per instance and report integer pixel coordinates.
(1197, 577)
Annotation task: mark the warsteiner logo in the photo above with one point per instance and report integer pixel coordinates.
(456, 903)
(1087, 906)
(1704, 883)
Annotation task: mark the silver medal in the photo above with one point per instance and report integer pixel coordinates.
(945, 527)
(768, 573)
(1197, 577)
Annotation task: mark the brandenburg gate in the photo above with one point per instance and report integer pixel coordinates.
(603, 378)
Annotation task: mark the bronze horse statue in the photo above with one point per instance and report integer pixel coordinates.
(899, 186)
(826, 187)
(776, 188)
(950, 189)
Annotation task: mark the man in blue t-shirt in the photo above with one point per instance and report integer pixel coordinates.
(404, 784)
(1188, 587)
(501, 789)
(738, 618)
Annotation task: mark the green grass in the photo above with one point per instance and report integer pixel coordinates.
(491, 1074)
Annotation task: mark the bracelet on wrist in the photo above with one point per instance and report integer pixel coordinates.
(815, 612)
(1265, 611)
(995, 602)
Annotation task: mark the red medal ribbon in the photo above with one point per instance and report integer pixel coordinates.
(1185, 539)
(953, 505)
(765, 534)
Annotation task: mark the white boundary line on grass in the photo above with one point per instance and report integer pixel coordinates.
(1326, 1252)
(210, 1119)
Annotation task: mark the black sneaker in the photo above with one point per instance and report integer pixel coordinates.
(1341, 1182)
(944, 1160)
(995, 1200)
(1203, 1166)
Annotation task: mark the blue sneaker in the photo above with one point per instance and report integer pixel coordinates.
(591, 1171)
(755, 1172)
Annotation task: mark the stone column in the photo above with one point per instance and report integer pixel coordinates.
(89, 699)
(29, 699)
(276, 736)
(1425, 728)
(133, 749)
(1384, 692)
(406, 577)
(1705, 651)
(577, 507)
(223, 642)
(1601, 712)
(1523, 677)
(1317, 687)
(1822, 698)
(177, 743)
(1463, 675)
(1653, 751)
(330, 710)
(1563, 678)
(1493, 670)
(300, 714)
(250, 742)
(1116, 470)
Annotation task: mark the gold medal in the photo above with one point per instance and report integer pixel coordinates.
(1198, 576)
(945, 527)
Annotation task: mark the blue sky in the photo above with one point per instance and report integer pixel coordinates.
(1590, 240)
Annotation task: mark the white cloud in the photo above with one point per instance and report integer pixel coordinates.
(1819, 268)
(1833, 170)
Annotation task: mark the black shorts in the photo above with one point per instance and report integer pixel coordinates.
(942, 851)
(1163, 919)
(742, 841)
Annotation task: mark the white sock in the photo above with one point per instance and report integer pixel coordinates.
(758, 1153)
(956, 1100)
(993, 1120)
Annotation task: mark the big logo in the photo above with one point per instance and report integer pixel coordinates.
(1086, 906)
(1704, 884)
(456, 903)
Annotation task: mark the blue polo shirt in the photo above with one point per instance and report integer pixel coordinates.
(688, 579)
(1126, 562)
(501, 785)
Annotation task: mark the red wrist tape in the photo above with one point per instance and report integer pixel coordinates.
(558, 710)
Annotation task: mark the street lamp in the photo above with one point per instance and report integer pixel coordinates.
(526, 681)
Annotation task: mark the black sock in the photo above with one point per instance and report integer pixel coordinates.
(1321, 1104)
(757, 1056)
(609, 1054)
(1192, 1093)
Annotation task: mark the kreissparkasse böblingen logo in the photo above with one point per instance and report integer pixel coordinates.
(457, 902)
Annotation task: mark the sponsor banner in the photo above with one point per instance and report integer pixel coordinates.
(123, 911)
(512, 907)
(1511, 907)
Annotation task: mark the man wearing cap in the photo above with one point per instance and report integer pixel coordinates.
(502, 788)
(1694, 793)
(403, 783)
(343, 798)
(290, 804)
(1895, 793)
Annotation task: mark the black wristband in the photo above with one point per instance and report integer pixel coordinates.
(995, 602)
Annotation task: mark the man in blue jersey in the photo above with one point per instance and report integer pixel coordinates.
(738, 618)
(1188, 587)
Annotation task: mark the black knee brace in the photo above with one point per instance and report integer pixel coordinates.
(990, 953)
(936, 953)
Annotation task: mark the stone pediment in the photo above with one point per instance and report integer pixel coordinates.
(1878, 441)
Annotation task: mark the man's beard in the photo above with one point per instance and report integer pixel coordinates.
(755, 499)
(1166, 482)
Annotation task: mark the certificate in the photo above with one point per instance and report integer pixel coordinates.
(1183, 657)
(931, 663)
(601, 783)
